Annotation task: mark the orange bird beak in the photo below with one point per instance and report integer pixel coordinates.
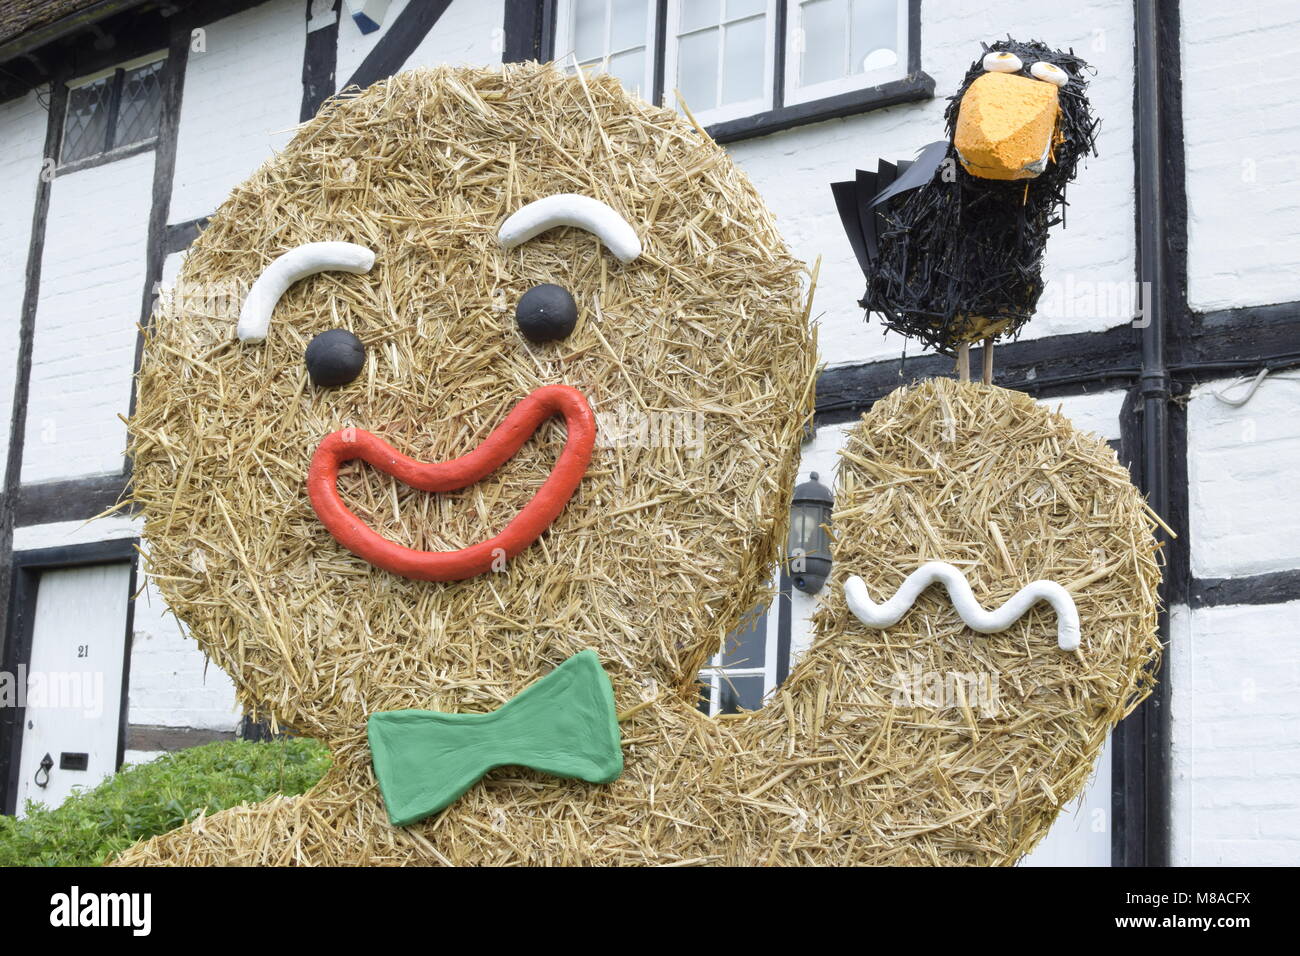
(1006, 125)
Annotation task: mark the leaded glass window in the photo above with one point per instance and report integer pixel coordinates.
(112, 110)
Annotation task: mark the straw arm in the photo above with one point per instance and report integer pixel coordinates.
(963, 600)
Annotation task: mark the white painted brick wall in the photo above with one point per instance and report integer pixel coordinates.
(1240, 127)
(793, 170)
(63, 534)
(1236, 670)
(241, 101)
(354, 45)
(22, 130)
(467, 34)
(1242, 464)
(172, 683)
(92, 279)
(1236, 718)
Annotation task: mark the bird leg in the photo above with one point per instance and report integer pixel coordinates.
(988, 361)
(963, 362)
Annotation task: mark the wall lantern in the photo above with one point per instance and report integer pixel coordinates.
(809, 547)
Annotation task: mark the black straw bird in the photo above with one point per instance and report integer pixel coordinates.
(952, 243)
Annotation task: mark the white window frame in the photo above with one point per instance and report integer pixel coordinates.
(730, 111)
(795, 93)
(775, 109)
(566, 52)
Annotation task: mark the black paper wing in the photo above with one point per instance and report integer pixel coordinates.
(855, 227)
(861, 201)
(913, 175)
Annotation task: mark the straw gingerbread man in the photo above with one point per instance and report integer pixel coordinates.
(488, 451)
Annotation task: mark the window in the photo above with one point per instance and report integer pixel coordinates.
(748, 67)
(755, 658)
(834, 46)
(737, 678)
(113, 110)
(719, 57)
(610, 36)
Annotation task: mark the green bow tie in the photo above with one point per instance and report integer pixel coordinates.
(564, 725)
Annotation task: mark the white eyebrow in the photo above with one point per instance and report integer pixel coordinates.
(298, 263)
(569, 209)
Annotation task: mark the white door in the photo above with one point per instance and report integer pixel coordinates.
(73, 681)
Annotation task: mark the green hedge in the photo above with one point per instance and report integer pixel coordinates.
(152, 798)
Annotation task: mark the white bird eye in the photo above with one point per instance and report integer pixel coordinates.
(1002, 62)
(1049, 73)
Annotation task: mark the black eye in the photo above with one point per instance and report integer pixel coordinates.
(546, 313)
(335, 358)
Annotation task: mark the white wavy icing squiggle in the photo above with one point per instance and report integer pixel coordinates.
(963, 599)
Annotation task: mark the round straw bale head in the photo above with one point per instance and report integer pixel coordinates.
(697, 359)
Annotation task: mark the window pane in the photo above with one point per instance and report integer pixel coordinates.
(803, 528)
(874, 35)
(630, 70)
(742, 75)
(739, 693)
(747, 645)
(589, 28)
(823, 23)
(745, 8)
(697, 70)
(698, 13)
(706, 693)
(86, 128)
(137, 114)
(627, 24)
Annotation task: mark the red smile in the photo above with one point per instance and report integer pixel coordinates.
(525, 528)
